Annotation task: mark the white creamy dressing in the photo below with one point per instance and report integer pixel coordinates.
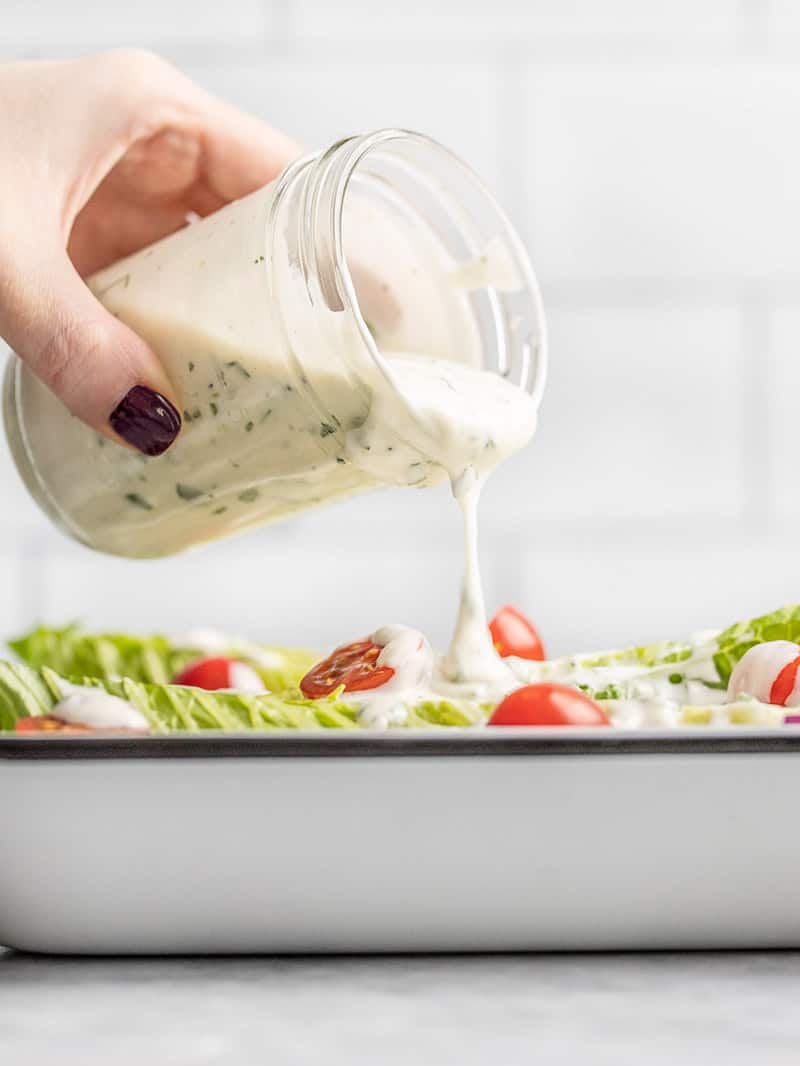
(208, 641)
(274, 391)
(92, 707)
(644, 713)
(438, 419)
(686, 680)
(245, 679)
(409, 654)
(450, 419)
(472, 669)
(669, 714)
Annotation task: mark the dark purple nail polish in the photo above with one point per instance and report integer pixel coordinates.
(146, 420)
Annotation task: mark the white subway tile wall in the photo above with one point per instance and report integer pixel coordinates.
(601, 449)
(783, 377)
(526, 23)
(52, 28)
(678, 171)
(647, 152)
(323, 99)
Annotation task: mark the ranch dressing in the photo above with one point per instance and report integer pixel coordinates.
(84, 705)
(463, 423)
(472, 666)
(409, 654)
(263, 436)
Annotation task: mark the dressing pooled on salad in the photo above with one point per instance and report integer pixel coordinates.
(745, 675)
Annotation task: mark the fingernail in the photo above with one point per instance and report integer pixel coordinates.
(146, 420)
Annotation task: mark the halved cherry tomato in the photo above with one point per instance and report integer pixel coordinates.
(46, 723)
(548, 704)
(783, 685)
(220, 672)
(353, 665)
(513, 634)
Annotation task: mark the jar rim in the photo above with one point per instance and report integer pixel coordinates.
(347, 156)
(510, 326)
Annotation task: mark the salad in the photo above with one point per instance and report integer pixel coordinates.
(69, 681)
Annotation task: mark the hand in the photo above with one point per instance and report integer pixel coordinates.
(101, 156)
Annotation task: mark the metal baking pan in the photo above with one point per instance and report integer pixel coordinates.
(437, 841)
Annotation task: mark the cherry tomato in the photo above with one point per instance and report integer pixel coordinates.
(219, 673)
(353, 665)
(548, 704)
(513, 634)
(783, 685)
(46, 723)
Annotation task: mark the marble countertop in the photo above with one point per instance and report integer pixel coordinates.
(673, 1009)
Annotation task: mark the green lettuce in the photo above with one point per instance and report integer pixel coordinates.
(180, 709)
(140, 669)
(23, 692)
(646, 655)
(724, 648)
(743, 712)
(733, 642)
(153, 660)
(173, 708)
(677, 667)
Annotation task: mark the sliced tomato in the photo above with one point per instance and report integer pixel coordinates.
(548, 704)
(220, 672)
(783, 685)
(353, 665)
(513, 634)
(46, 723)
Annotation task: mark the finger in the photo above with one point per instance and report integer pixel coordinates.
(241, 153)
(102, 371)
(202, 200)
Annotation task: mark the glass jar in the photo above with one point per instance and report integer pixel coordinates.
(276, 318)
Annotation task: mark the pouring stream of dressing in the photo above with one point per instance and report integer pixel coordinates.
(446, 419)
(459, 422)
(472, 666)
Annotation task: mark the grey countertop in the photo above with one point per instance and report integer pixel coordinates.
(651, 1009)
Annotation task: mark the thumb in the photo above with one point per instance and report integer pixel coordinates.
(102, 371)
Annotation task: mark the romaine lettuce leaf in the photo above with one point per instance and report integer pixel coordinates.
(690, 675)
(742, 712)
(154, 659)
(688, 672)
(179, 709)
(647, 655)
(23, 692)
(173, 708)
(721, 650)
(732, 643)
